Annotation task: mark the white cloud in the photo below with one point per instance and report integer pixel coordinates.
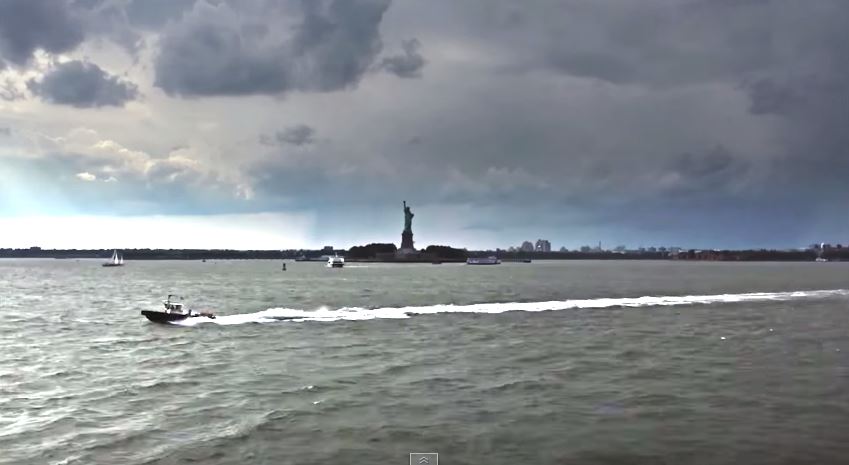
(86, 176)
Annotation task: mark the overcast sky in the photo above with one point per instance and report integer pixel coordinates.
(300, 123)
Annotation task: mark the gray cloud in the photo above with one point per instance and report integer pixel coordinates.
(5, 132)
(28, 25)
(408, 64)
(695, 116)
(768, 97)
(619, 115)
(83, 85)
(165, 188)
(210, 53)
(9, 91)
(111, 20)
(153, 14)
(299, 135)
(709, 174)
(205, 54)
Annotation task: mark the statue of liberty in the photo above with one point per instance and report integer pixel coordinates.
(408, 218)
(407, 235)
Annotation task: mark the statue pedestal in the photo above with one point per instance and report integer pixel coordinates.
(407, 240)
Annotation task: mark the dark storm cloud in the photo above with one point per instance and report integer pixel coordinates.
(83, 85)
(205, 55)
(705, 175)
(337, 41)
(298, 135)
(408, 64)
(684, 114)
(787, 57)
(225, 50)
(655, 43)
(29, 25)
(710, 120)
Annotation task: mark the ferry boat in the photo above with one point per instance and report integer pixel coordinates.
(483, 261)
(335, 262)
(174, 311)
(116, 260)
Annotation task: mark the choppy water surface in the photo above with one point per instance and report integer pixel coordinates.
(549, 362)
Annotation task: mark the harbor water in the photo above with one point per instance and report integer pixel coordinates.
(561, 362)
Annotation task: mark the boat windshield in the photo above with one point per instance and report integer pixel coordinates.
(174, 307)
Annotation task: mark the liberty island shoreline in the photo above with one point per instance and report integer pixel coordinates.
(316, 254)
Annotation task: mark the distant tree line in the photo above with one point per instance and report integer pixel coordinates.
(445, 252)
(370, 251)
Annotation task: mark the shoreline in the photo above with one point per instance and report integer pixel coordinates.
(434, 254)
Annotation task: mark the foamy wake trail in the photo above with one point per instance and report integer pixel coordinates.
(356, 313)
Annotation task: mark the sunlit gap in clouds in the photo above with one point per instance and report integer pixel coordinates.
(237, 231)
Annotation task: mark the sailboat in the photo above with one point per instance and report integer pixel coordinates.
(116, 260)
(820, 251)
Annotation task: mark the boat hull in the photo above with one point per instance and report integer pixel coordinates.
(111, 264)
(163, 317)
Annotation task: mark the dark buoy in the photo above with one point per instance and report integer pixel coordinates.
(284, 267)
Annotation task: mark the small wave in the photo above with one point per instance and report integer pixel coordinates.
(324, 314)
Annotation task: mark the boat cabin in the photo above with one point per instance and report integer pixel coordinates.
(173, 307)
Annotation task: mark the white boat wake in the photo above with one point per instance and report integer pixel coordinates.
(273, 315)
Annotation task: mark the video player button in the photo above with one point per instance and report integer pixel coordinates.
(424, 458)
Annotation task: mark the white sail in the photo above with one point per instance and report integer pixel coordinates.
(116, 260)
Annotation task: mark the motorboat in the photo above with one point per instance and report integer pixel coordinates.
(483, 261)
(335, 262)
(174, 311)
(116, 260)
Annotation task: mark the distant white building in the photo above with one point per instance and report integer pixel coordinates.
(543, 245)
